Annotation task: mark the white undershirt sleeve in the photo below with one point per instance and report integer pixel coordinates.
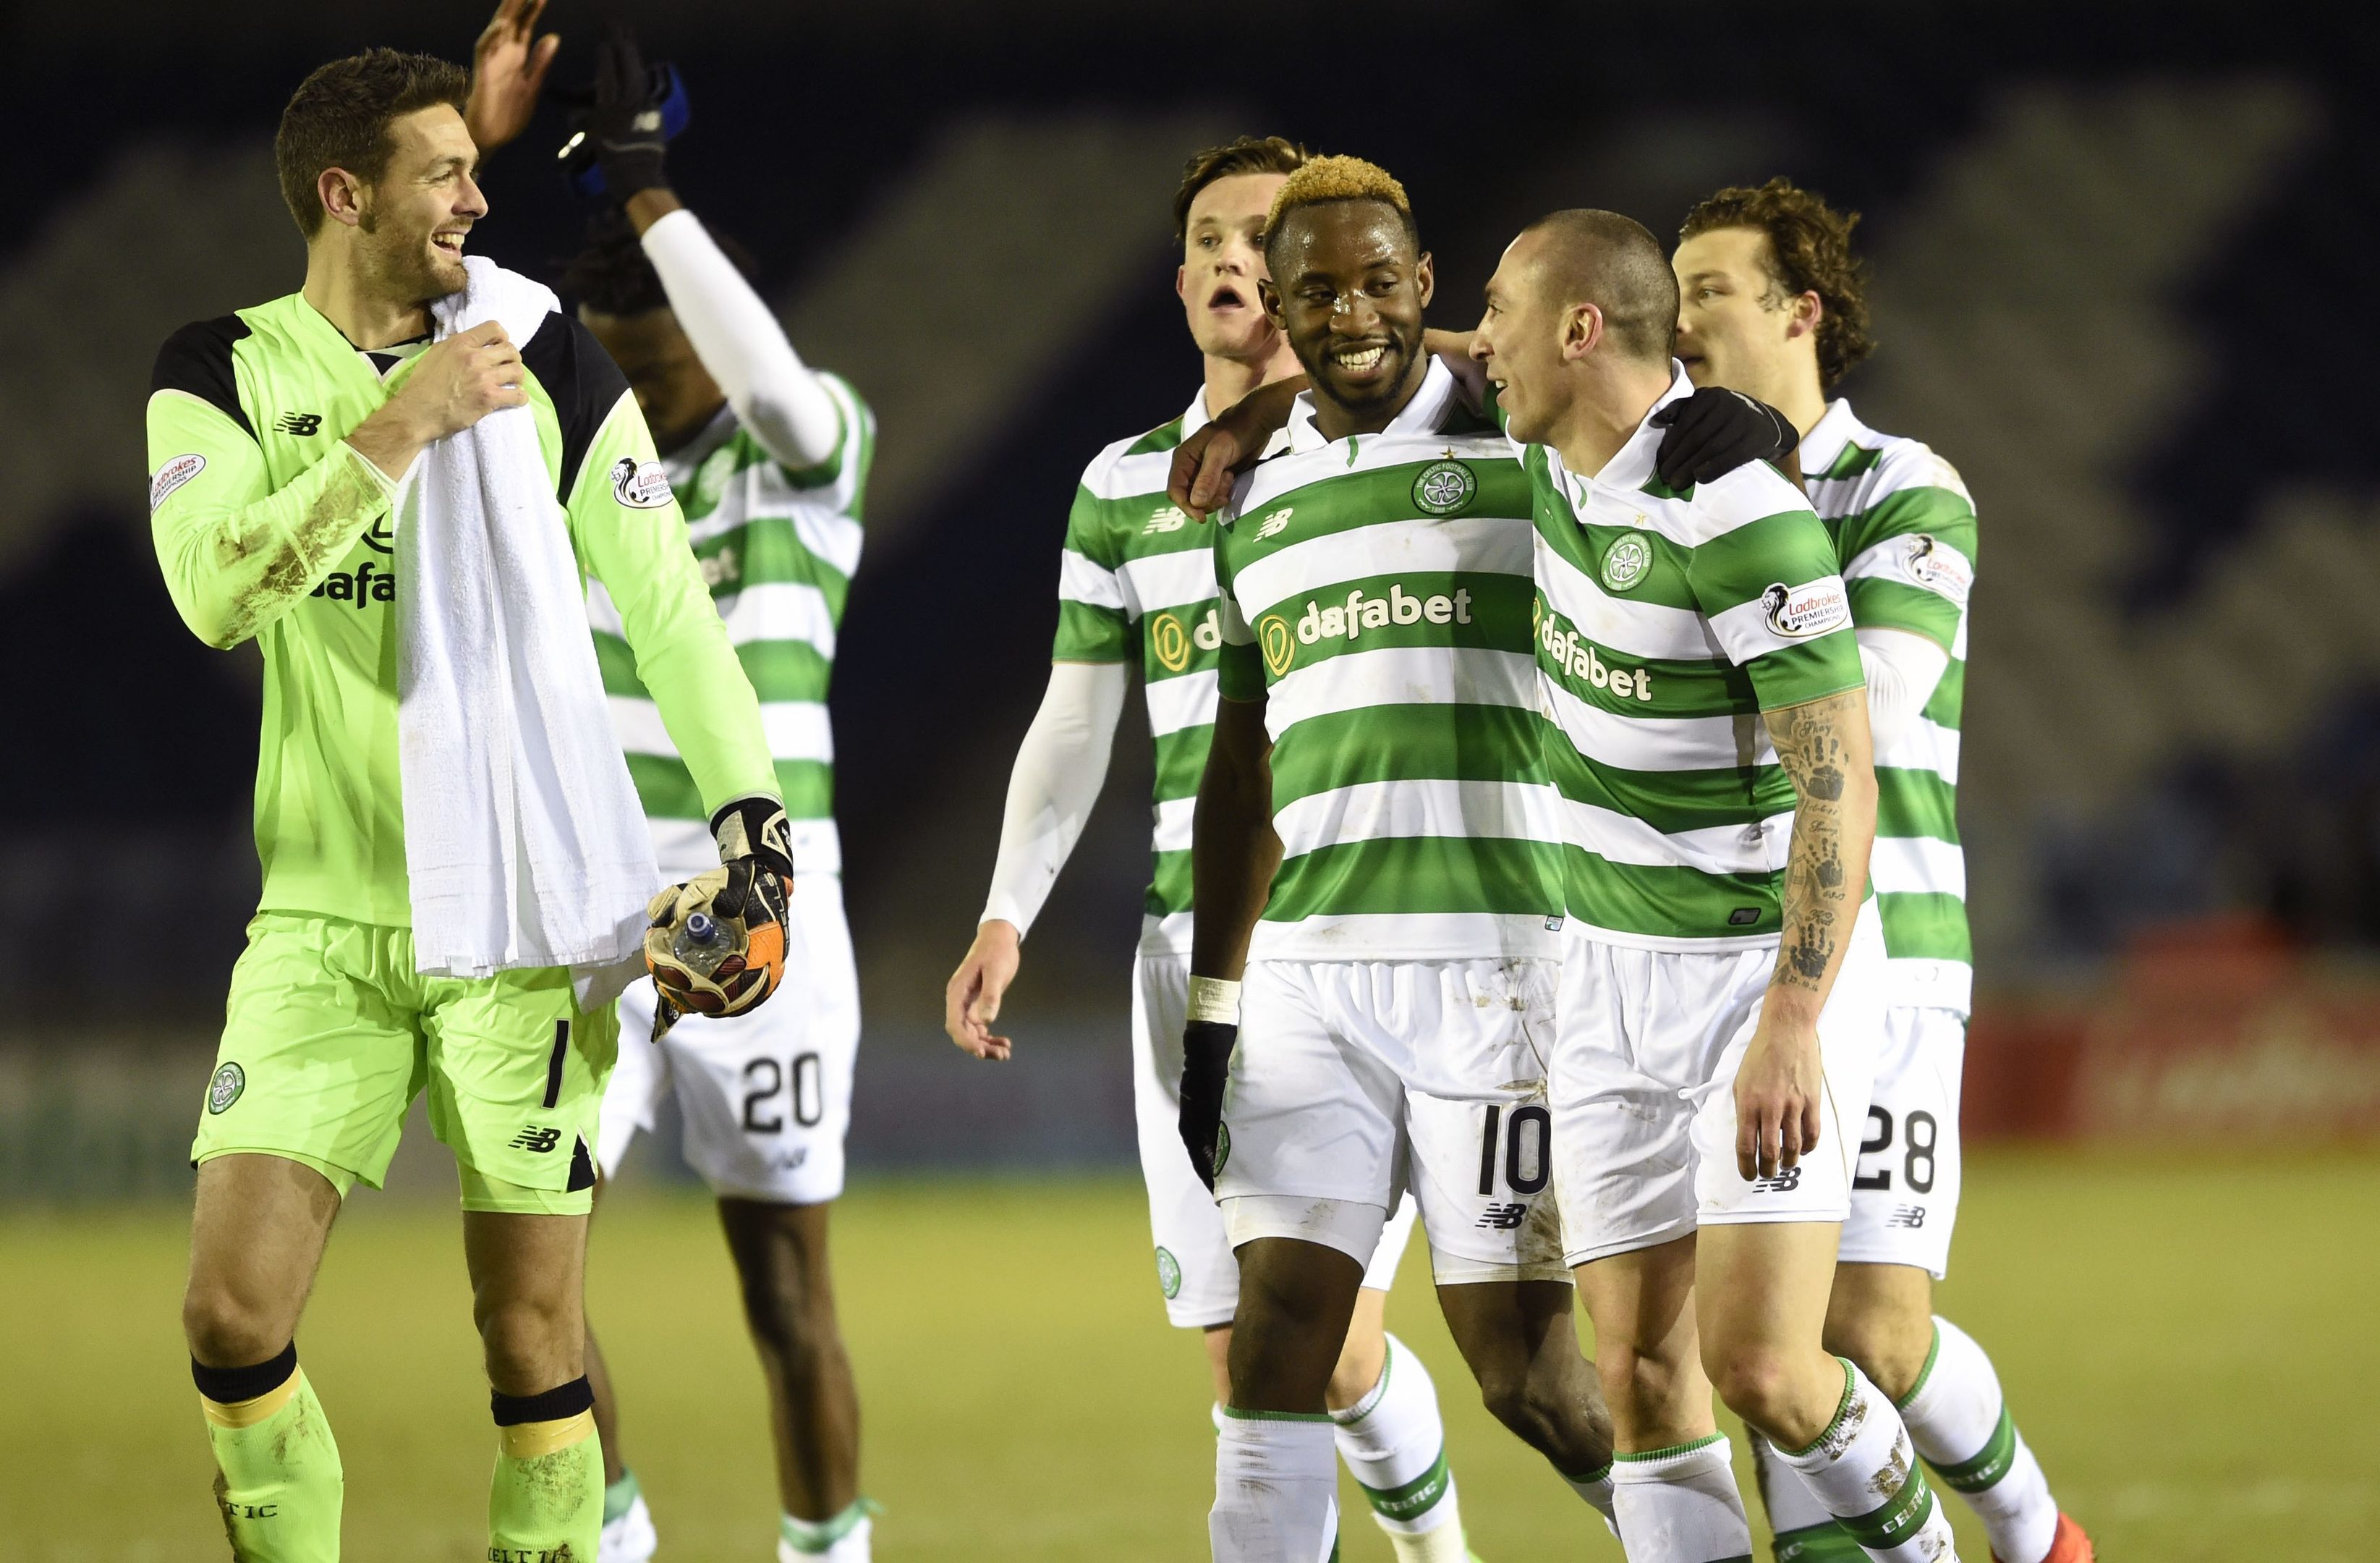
(1902, 670)
(739, 339)
(1060, 768)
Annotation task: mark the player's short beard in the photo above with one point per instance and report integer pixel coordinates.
(400, 269)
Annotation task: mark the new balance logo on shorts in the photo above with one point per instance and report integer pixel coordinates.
(539, 1141)
(1910, 1216)
(1784, 1182)
(1504, 1217)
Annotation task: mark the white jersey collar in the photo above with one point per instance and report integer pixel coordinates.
(1426, 414)
(1632, 465)
(1823, 446)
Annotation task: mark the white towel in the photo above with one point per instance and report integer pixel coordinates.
(522, 835)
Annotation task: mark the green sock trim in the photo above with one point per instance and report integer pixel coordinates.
(817, 1535)
(1990, 1464)
(1924, 1373)
(1828, 1543)
(1685, 1448)
(1896, 1519)
(1372, 1397)
(1239, 1414)
(1414, 1498)
(620, 1497)
(1842, 1407)
(1600, 1473)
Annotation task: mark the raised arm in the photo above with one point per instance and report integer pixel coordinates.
(736, 336)
(1823, 746)
(1060, 768)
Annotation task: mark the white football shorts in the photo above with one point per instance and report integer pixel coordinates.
(1195, 1266)
(1326, 1133)
(1905, 1190)
(765, 1097)
(1643, 1088)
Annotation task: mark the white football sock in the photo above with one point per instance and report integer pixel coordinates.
(1960, 1421)
(843, 1539)
(1679, 1505)
(1864, 1471)
(1276, 1489)
(1804, 1531)
(1395, 1444)
(1596, 1491)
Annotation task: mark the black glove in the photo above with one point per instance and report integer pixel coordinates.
(757, 828)
(625, 125)
(1205, 1065)
(1714, 432)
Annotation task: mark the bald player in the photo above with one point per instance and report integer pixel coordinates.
(1721, 1000)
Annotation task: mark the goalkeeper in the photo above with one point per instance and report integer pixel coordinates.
(285, 441)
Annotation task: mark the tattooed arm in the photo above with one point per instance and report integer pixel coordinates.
(1824, 746)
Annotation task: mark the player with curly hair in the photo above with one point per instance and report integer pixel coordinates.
(1775, 305)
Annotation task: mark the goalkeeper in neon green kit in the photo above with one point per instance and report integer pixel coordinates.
(281, 440)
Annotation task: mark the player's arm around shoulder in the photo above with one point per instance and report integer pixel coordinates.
(631, 535)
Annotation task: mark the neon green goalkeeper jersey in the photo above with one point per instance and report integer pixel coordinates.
(1905, 528)
(269, 526)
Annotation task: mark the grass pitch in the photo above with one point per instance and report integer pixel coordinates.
(2189, 1343)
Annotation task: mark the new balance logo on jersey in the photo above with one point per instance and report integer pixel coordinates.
(537, 1141)
(1785, 1182)
(1168, 517)
(1910, 1216)
(299, 422)
(1274, 522)
(368, 582)
(1504, 1217)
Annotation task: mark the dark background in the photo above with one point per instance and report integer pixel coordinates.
(2162, 405)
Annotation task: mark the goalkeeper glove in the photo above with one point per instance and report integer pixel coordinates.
(716, 943)
(1714, 432)
(624, 128)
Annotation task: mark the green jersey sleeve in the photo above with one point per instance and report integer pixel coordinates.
(631, 535)
(1093, 617)
(1239, 663)
(840, 482)
(1909, 561)
(236, 553)
(1773, 594)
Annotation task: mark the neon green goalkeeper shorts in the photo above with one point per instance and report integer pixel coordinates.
(330, 1033)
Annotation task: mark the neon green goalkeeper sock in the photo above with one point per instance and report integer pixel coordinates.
(545, 1499)
(279, 1485)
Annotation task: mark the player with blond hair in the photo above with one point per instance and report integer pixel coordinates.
(1137, 596)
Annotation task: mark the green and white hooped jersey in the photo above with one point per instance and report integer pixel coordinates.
(777, 546)
(1904, 528)
(1376, 595)
(1667, 623)
(1136, 583)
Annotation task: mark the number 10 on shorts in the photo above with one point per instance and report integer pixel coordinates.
(1525, 1137)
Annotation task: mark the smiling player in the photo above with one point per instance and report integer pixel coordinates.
(1375, 850)
(283, 439)
(1136, 593)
